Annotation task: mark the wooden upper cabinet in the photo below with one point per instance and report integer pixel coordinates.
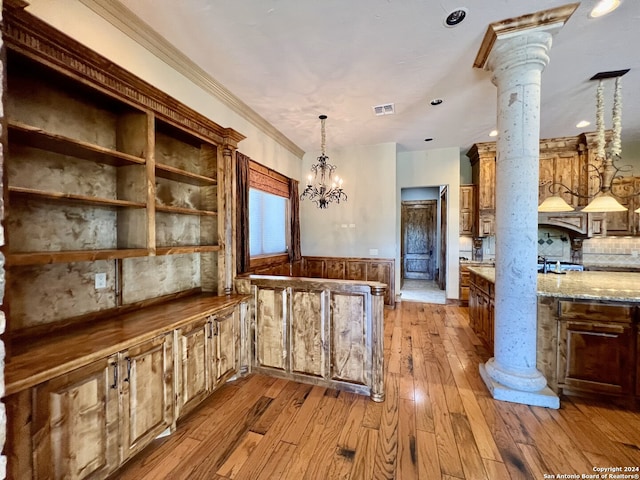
(561, 168)
(467, 205)
(483, 168)
(76, 424)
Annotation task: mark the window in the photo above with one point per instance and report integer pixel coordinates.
(268, 225)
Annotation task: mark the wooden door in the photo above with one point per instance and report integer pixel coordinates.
(75, 423)
(442, 271)
(226, 337)
(147, 392)
(193, 371)
(419, 239)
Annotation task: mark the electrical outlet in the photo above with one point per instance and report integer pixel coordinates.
(373, 251)
(100, 280)
(634, 253)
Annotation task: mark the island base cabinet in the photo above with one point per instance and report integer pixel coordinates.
(75, 424)
(596, 357)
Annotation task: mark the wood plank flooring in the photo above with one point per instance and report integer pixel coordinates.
(438, 422)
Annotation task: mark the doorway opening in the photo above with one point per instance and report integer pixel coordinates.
(422, 277)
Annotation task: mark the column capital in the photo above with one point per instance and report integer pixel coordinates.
(547, 21)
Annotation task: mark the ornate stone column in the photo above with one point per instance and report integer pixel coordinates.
(516, 53)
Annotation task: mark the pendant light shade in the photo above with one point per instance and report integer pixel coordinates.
(604, 202)
(554, 203)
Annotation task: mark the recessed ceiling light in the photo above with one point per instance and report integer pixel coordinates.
(603, 7)
(455, 17)
(428, 139)
(493, 133)
(583, 124)
(436, 101)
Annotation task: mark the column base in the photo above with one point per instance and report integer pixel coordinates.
(541, 398)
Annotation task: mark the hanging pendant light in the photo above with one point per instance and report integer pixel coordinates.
(318, 189)
(605, 170)
(555, 203)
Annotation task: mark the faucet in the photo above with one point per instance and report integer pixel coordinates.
(545, 265)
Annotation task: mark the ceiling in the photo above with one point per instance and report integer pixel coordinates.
(292, 60)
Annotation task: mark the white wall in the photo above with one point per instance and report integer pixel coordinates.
(82, 24)
(431, 168)
(366, 221)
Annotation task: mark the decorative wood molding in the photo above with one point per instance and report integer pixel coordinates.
(544, 18)
(36, 39)
(127, 22)
(268, 180)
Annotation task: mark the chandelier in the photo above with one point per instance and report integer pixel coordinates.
(605, 173)
(318, 190)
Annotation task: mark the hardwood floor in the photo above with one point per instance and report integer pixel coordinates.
(438, 422)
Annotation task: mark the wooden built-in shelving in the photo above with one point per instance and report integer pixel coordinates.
(39, 138)
(184, 211)
(186, 249)
(44, 258)
(178, 175)
(70, 197)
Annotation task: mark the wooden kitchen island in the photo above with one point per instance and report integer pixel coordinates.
(588, 329)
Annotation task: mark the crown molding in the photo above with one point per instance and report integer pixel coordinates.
(127, 22)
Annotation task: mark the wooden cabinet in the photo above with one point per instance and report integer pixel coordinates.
(467, 206)
(483, 168)
(117, 195)
(325, 332)
(209, 354)
(146, 388)
(481, 311)
(627, 222)
(194, 350)
(464, 285)
(76, 424)
(596, 348)
(87, 422)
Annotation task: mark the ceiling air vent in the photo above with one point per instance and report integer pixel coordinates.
(387, 109)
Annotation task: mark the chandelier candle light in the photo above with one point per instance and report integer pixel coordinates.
(606, 172)
(317, 189)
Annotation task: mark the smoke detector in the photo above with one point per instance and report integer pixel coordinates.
(386, 109)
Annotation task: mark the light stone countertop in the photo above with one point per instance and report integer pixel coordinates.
(612, 286)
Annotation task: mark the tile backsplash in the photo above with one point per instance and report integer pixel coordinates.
(614, 251)
(555, 245)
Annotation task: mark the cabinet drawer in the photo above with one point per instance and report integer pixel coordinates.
(596, 357)
(464, 278)
(595, 311)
